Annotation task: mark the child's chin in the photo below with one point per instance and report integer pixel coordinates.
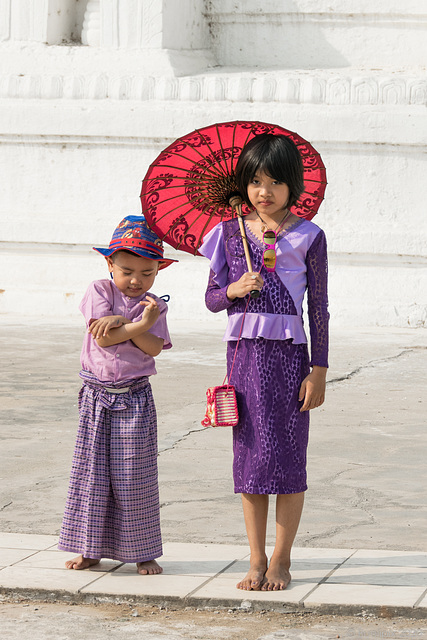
(134, 293)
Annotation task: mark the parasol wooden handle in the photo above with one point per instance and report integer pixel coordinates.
(236, 203)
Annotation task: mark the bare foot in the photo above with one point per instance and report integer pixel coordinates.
(81, 563)
(254, 577)
(277, 577)
(149, 568)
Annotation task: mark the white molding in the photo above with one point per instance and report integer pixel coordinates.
(325, 18)
(86, 140)
(293, 88)
(160, 143)
(109, 24)
(5, 19)
(377, 260)
(343, 36)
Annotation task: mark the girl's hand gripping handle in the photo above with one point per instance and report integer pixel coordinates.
(250, 282)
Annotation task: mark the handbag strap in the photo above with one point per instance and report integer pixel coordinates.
(237, 346)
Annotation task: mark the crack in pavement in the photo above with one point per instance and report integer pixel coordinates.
(373, 363)
(179, 437)
(377, 500)
(358, 500)
(366, 501)
(176, 438)
(307, 540)
(170, 503)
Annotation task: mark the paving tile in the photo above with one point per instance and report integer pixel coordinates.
(423, 602)
(224, 588)
(310, 565)
(335, 556)
(203, 568)
(125, 583)
(211, 571)
(388, 558)
(11, 556)
(380, 575)
(207, 568)
(45, 579)
(364, 595)
(218, 552)
(199, 559)
(55, 559)
(26, 541)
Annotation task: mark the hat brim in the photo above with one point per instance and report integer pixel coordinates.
(163, 262)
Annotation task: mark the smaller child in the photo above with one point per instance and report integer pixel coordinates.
(112, 508)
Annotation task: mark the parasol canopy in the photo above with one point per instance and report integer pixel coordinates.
(187, 188)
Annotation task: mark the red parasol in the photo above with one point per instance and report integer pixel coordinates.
(187, 189)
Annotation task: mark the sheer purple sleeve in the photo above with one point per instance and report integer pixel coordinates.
(216, 296)
(317, 292)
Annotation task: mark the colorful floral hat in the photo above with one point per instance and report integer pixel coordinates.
(134, 235)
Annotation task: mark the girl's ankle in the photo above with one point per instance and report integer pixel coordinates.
(257, 560)
(283, 561)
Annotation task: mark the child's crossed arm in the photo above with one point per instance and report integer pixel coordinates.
(111, 330)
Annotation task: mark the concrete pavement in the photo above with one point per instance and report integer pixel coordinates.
(367, 476)
(382, 583)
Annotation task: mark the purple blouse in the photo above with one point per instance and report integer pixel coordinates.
(124, 361)
(278, 314)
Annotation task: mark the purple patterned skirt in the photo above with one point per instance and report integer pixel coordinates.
(112, 508)
(270, 441)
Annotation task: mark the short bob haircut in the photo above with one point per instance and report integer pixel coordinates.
(275, 155)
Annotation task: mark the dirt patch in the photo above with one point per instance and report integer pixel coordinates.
(45, 621)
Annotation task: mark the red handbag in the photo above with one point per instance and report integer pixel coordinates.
(221, 409)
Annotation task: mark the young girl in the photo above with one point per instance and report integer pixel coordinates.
(112, 509)
(276, 382)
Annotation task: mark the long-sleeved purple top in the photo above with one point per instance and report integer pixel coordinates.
(301, 266)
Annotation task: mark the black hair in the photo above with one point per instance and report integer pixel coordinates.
(278, 157)
(131, 253)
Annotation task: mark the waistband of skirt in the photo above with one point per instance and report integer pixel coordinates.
(114, 387)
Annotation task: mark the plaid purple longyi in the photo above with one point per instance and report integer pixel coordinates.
(112, 508)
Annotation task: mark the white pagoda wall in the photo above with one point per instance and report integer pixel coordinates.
(79, 126)
(302, 34)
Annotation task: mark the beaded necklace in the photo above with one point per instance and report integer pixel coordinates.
(264, 225)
